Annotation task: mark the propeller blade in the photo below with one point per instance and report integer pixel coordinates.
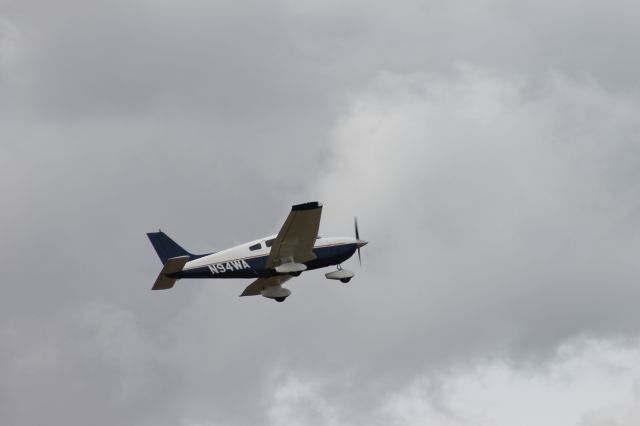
(355, 225)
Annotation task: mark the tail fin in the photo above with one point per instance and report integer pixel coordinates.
(167, 248)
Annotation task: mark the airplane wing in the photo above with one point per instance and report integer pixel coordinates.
(297, 236)
(256, 287)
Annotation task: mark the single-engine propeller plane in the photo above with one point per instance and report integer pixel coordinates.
(271, 260)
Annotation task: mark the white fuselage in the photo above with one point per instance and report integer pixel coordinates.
(244, 251)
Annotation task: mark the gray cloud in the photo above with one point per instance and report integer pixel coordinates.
(508, 201)
(489, 151)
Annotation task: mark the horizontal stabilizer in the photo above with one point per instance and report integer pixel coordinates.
(174, 264)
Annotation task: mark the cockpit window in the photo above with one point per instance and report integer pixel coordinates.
(255, 247)
(269, 243)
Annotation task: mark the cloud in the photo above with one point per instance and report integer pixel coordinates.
(586, 383)
(623, 414)
(489, 151)
(581, 377)
(500, 209)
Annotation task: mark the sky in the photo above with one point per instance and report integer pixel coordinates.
(490, 150)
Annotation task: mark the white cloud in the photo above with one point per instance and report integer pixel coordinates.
(581, 378)
(622, 414)
(297, 401)
(585, 383)
(500, 209)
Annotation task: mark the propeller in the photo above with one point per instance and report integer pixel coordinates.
(359, 242)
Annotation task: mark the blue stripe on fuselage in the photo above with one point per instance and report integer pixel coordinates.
(331, 255)
(325, 256)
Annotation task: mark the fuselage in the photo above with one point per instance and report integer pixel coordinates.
(249, 260)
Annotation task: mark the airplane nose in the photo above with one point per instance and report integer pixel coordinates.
(362, 243)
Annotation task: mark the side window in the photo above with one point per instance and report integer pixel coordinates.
(269, 243)
(255, 247)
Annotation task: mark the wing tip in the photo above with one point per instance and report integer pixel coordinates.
(307, 206)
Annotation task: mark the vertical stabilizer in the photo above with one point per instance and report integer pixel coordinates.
(167, 248)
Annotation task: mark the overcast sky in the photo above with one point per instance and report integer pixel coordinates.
(490, 149)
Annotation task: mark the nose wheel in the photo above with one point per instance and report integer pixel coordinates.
(344, 275)
(346, 278)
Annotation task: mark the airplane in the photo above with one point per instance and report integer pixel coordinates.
(271, 260)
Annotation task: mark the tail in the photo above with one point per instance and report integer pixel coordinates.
(173, 258)
(167, 248)
(173, 265)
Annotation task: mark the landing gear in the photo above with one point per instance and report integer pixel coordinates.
(276, 292)
(345, 279)
(343, 275)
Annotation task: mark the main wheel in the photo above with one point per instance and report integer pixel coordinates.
(280, 299)
(345, 280)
